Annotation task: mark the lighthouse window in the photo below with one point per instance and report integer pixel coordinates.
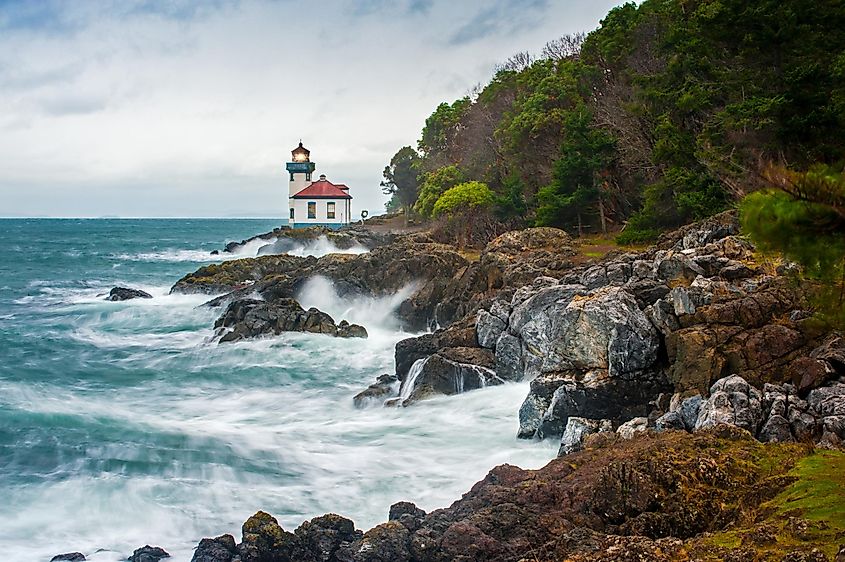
(312, 210)
(330, 210)
(291, 213)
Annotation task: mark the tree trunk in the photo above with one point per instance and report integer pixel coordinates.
(603, 219)
(580, 228)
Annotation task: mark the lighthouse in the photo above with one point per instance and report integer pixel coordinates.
(314, 203)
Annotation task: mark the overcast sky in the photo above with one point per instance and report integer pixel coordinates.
(168, 109)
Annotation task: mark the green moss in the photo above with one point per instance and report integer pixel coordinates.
(809, 512)
(819, 492)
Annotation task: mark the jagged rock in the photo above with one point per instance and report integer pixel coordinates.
(347, 330)
(385, 387)
(220, 549)
(387, 542)
(537, 402)
(670, 420)
(149, 554)
(827, 401)
(250, 318)
(453, 371)
(408, 514)
(732, 401)
(70, 557)
(832, 351)
(125, 294)
(775, 430)
(488, 328)
(696, 362)
(264, 540)
(632, 427)
(808, 373)
(568, 330)
(594, 395)
(410, 350)
(322, 537)
(509, 364)
(689, 411)
(577, 430)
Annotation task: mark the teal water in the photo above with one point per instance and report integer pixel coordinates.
(123, 424)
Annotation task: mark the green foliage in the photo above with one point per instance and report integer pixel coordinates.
(694, 94)
(804, 218)
(440, 126)
(511, 203)
(463, 199)
(434, 184)
(400, 178)
(585, 153)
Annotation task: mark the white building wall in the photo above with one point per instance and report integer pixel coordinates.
(300, 207)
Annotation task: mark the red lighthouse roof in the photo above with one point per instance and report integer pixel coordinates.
(323, 189)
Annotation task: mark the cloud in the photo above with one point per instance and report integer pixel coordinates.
(72, 105)
(196, 107)
(501, 17)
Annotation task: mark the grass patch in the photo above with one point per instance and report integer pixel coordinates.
(808, 513)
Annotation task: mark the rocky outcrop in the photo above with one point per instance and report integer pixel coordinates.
(69, 557)
(654, 497)
(425, 268)
(149, 554)
(385, 387)
(125, 294)
(282, 240)
(250, 318)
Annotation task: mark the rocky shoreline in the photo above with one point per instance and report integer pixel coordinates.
(696, 345)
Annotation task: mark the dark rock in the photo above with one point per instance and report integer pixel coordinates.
(125, 294)
(387, 542)
(407, 514)
(599, 396)
(736, 270)
(385, 387)
(689, 411)
(220, 549)
(70, 556)
(452, 371)
(827, 401)
(347, 330)
(323, 536)
(775, 430)
(264, 540)
(670, 420)
(250, 318)
(148, 554)
(537, 402)
(833, 352)
(808, 373)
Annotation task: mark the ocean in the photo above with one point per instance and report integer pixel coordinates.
(124, 424)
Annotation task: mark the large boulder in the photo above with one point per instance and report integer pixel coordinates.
(570, 330)
(125, 294)
(219, 549)
(264, 540)
(592, 395)
(149, 554)
(732, 401)
(451, 371)
(250, 318)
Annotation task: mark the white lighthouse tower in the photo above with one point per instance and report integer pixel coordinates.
(300, 169)
(315, 203)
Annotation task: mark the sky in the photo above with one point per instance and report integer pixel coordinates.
(177, 108)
